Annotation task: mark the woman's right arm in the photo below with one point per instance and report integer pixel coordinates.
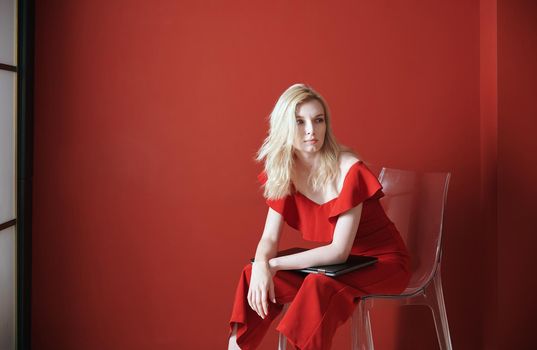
(261, 284)
(268, 244)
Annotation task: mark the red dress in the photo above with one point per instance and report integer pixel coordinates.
(319, 304)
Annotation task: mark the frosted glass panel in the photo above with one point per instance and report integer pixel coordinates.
(8, 299)
(7, 32)
(7, 145)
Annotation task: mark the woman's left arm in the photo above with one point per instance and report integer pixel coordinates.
(334, 253)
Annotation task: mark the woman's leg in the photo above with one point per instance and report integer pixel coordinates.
(319, 304)
(251, 328)
(323, 303)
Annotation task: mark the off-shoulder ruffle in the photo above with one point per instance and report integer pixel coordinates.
(360, 185)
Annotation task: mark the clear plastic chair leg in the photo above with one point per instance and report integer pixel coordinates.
(361, 335)
(282, 342)
(435, 298)
(282, 339)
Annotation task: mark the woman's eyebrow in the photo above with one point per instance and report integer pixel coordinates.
(320, 115)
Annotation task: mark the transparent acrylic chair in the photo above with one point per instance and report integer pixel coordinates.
(415, 203)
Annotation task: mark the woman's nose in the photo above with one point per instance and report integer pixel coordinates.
(309, 128)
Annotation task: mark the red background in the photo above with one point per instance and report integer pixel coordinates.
(148, 115)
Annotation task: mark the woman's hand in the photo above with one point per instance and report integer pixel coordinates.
(261, 287)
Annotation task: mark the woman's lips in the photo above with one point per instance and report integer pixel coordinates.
(312, 141)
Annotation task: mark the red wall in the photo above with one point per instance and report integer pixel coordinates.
(488, 247)
(517, 171)
(147, 118)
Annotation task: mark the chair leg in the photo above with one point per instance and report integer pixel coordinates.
(435, 297)
(367, 334)
(282, 342)
(361, 336)
(282, 339)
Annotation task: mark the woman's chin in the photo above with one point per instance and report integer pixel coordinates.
(311, 149)
(308, 149)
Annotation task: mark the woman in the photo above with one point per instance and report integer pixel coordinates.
(326, 192)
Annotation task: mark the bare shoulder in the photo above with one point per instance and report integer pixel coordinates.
(346, 160)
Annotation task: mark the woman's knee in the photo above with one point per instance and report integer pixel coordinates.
(315, 279)
(320, 283)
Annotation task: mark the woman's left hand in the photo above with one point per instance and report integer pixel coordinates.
(261, 284)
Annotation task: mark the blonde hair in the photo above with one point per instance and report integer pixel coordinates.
(277, 148)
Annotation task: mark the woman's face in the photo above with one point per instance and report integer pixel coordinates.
(310, 125)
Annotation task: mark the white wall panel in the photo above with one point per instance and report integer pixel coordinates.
(7, 145)
(8, 293)
(8, 248)
(8, 32)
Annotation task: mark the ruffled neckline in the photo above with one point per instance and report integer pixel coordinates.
(351, 168)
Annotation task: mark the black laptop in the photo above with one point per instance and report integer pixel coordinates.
(354, 262)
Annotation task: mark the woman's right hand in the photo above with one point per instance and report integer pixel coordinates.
(261, 288)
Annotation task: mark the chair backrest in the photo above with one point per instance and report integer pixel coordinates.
(415, 203)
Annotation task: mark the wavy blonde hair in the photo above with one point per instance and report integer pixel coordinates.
(277, 149)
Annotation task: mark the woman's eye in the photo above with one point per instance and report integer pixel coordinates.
(299, 121)
(320, 120)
